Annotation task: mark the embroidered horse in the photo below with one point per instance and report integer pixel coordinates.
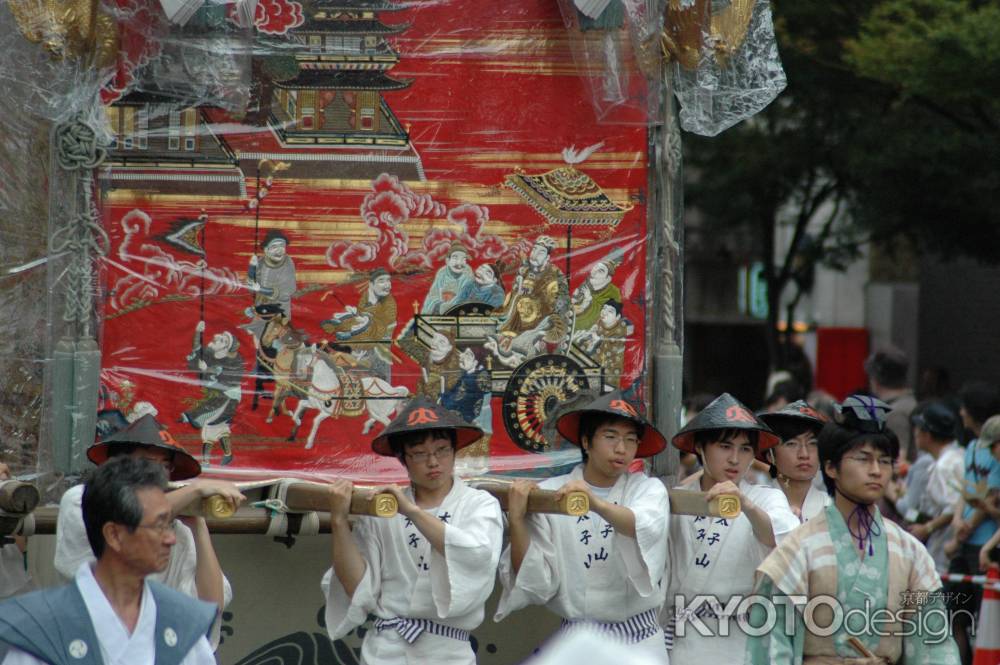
(287, 368)
(330, 390)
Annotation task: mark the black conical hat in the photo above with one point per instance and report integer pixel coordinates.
(613, 403)
(146, 431)
(799, 412)
(725, 412)
(421, 414)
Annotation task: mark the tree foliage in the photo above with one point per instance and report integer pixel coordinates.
(888, 128)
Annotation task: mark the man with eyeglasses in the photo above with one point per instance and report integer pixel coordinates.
(193, 567)
(602, 570)
(111, 614)
(427, 572)
(849, 586)
(795, 461)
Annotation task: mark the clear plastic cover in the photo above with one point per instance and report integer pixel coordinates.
(270, 235)
(726, 62)
(615, 46)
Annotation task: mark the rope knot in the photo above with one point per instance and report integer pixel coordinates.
(79, 146)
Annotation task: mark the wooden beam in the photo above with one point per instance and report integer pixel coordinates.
(542, 501)
(691, 502)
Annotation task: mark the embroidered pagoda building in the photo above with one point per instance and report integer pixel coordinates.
(331, 119)
(162, 145)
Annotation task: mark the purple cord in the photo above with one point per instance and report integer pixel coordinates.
(867, 527)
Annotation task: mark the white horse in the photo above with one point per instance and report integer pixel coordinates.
(325, 390)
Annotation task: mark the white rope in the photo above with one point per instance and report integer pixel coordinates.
(277, 506)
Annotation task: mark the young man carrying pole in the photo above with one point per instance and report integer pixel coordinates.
(602, 570)
(426, 573)
(715, 556)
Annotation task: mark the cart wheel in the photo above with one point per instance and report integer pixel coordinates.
(535, 390)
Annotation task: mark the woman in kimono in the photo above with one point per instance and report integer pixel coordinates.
(715, 556)
(795, 461)
(849, 558)
(425, 573)
(602, 570)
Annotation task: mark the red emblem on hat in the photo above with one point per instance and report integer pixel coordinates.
(422, 416)
(623, 406)
(166, 438)
(738, 413)
(809, 411)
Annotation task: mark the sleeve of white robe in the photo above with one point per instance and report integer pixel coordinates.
(537, 581)
(463, 577)
(215, 633)
(343, 612)
(72, 546)
(783, 521)
(645, 556)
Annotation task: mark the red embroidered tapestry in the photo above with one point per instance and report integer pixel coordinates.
(416, 199)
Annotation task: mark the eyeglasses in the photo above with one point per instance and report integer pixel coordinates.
(867, 460)
(614, 438)
(160, 527)
(439, 454)
(792, 444)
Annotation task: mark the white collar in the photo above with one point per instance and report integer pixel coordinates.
(117, 645)
(457, 487)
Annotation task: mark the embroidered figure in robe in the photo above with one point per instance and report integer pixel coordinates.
(537, 306)
(605, 341)
(371, 324)
(220, 370)
(273, 279)
(449, 280)
(591, 296)
(484, 287)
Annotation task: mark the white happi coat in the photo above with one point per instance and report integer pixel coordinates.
(583, 570)
(816, 500)
(406, 578)
(118, 645)
(717, 557)
(73, 549)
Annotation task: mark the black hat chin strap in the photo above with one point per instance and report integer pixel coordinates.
(867, 526)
